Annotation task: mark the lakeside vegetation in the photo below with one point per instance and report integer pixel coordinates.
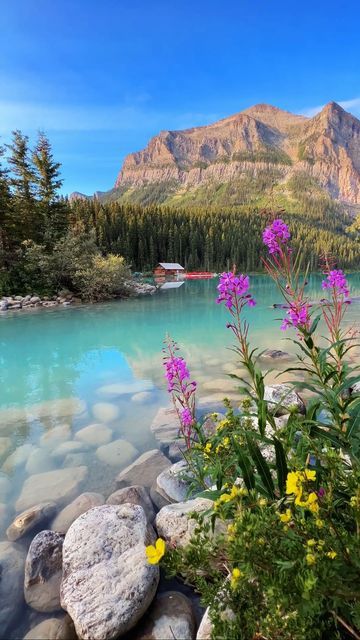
(48, 243)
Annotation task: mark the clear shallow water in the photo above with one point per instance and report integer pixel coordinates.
(101, 364)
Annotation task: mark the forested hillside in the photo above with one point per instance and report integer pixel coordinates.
(48, 242)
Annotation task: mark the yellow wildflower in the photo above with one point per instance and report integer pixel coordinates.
(231, 530)
(311, 542)
(354, 501)
(320, 543)
(225, 497)
(262, 502)
(310, 559)
(310, 474)
(319, 523)
(285, 517)
(331, 554)
(235, 491)
(243, 491)
(208, 447)
(293, 484)
(235, 577)
(155, 553)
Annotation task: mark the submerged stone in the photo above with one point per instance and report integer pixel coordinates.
(146, 469)
(61, 628)
(29, 519)
(58, 486)
(170, 616)
(76, 508)
(95, 435)
(117, 453)
(105, 411)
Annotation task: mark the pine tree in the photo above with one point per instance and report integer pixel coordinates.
(22, 186)
(51, 207)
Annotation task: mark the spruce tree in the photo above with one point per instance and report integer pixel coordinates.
(52, 209)
(22, 186)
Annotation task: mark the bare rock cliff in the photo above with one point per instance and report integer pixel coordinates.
(327, 147)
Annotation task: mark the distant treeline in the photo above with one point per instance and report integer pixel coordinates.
(47, 242)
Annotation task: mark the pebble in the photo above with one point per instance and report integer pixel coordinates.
(118, 453)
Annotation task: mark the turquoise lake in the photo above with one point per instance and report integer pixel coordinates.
(68, 368)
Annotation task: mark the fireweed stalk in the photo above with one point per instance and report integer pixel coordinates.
(180, 387)
(328, 369)
(234, 294)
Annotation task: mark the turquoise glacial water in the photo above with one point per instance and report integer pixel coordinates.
(67, 368)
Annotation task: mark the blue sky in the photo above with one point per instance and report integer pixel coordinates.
(102, 77)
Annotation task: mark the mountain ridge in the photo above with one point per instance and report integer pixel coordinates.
(261, 145)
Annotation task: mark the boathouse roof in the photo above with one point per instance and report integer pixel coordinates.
(171, 265)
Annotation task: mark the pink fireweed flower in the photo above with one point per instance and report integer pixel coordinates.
(186, 417)
(336, 279)
(296, 316)
(176, 371)
(232, 288)
(275, 235)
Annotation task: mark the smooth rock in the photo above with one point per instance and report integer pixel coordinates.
(157, 498)
(170, 616)
(53, 629)
(39, 460)
(275, 354)
(18, 458)
(165, 426)
(29, 519)
(108, 583)
(135, 494)
(74, 460)
(76, 508)
(71, 446)
(220, 384)
(5, 486)
(171, 482)
(105, 411)
(124, 388)
(62, 407)
(43, 570)
(175, 450)
(56, 435)
(5, 446)
(12, 558)
(173, 523)
(205, 629)
(143, 397)
(95, 435)
(145, 468)
(285, 394)
(117, 453)
(58, 486)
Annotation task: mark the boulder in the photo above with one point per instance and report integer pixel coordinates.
(95, 435)
(170, 616)
(173, 523)
(18, 458)
(5, 446)
(70, 446)
(39, 460)
(157, 498)
(143, 397)
(146, 469)
(284, 394)
(105, 411)
(43, 569)
(74, 460)
(205, 629)
(30, 519)
(125, 388)
(5, 485)
(12, 558)
(165, 426)
(58, 486)
(107, 582)
(53, 629)
(76, 508)
(134, 495)
(171, 483)
(118, 453)
(34, 299)
(56, 435)
(220, 384)
(176, 450)
(275, 355)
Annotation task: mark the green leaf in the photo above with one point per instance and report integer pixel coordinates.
(245, 466)
(281, 465)
(261, 465)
